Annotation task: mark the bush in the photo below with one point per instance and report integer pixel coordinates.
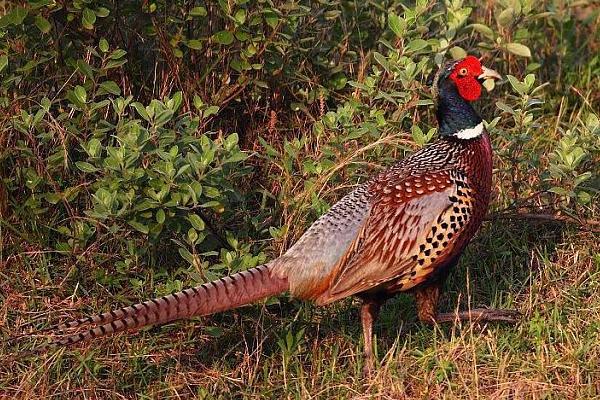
(120, 126)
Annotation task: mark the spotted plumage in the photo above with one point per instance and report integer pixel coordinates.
(402, 230)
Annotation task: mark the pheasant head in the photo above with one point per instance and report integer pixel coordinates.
(457, 85)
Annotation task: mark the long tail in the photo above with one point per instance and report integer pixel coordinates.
(224, 294)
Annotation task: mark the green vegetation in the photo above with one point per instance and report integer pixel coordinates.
(150, 146)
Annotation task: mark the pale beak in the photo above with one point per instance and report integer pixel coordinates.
(488, 73)
(487, 78)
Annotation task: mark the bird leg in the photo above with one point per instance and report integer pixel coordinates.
(427, 301)
(368, 314)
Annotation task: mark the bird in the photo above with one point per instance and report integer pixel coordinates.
(403, 230)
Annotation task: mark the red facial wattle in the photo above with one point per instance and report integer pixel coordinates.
(465, 75)
(468, 88)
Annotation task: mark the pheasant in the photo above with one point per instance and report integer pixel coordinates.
(403, 230)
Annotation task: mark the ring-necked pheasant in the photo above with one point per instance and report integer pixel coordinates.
(405, 229)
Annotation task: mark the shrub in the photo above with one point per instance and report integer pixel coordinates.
(120, 126)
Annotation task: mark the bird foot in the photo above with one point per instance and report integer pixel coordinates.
(481, 315)
(368, 369)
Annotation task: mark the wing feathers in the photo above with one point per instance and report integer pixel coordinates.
(398, 240)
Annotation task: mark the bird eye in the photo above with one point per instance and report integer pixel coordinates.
(463, 72)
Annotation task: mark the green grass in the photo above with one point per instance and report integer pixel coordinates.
(549, 272)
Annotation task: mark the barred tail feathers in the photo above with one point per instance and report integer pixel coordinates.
(224, 294)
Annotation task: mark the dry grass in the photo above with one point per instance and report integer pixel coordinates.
(550, 272)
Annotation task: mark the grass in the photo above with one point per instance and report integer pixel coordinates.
(550, 272)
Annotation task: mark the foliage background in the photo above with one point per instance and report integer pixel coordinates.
(149, 146)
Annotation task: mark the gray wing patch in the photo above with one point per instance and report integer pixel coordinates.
(311, 259)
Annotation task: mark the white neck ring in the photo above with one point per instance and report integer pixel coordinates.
(470, 133)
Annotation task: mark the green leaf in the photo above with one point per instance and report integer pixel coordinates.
(518, 86)
(223, 37)
(163, 117)
(198, 12)
(240, 16)
(457, 53)
(138, 226)
(45, 102)
(559, 191)
(18, 15)
(85, 166)
(240, 65)
(505, 107)
(53, 198)
(141, 110)
(489, 84)
(42, 24)
(518, 49)
(380, 58)
(236, 157)
(3, 62)
(183, 169)
(231, 141)
(332, 14)
(339, 81)
(160, 216)
(103, 45)
(582, 178)
(592, 122)
(175, 101)
(212, 204)
(214, 331)
(483, 29)
(99, 104)
(196, 221)
(212, 110)
(271, 18)
(85, 68)
(242, 37)
(529, 80)
(186, 255)
(80, 93)
(418, 135)
(111, 87)
(194, 44)
(397, 24)
(211, 192)
(114, 63)
(102, 12)
(192, 235)
(94, 147)
(506, 17)
(416, 45)
(118, 53)
(584, 197)
(88, 18)
(15, 17)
